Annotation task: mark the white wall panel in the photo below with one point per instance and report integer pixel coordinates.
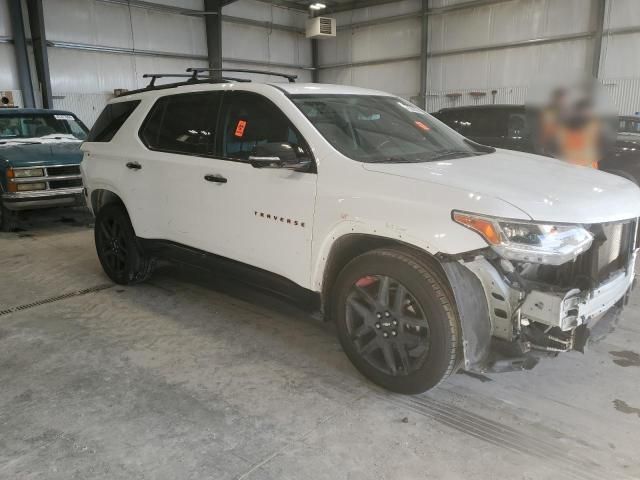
(335, 50)
(190, 4)
(75, 71)
(168, 32)
(264, 12)
(399, 39)
(8, 70)
(459, 29)
(510, 22)
(517, 66)
(379, 77)
(621, 57)
(106, 24)
(249, 42)
(5, 24)
(381, 11)
(245, 41)
(569, 16)
(623, 13)
(445, 3)
(90, 22)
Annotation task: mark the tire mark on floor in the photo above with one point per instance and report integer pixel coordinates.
(503, 436)
(64, 296)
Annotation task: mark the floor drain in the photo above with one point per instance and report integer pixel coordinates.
(64, 296)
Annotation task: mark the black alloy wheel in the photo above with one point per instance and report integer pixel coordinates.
(387, 325)
(396, 319)
(120, 254)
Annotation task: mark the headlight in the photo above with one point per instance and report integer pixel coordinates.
(529, 241)
(25, 187)
(28, 172)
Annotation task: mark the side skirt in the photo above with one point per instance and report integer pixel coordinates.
(237, 271)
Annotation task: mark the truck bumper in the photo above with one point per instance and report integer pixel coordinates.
(43, 199)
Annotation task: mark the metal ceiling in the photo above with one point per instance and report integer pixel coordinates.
(333, 6)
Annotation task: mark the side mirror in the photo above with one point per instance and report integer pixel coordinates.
(279, 155)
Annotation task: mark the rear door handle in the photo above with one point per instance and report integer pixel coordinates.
(134, 165)
(215, 178)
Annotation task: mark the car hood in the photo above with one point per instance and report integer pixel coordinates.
(544, 188)
(50, 153)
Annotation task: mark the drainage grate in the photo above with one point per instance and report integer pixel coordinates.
(64, 296)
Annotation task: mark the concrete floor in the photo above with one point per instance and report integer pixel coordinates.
(191, 377)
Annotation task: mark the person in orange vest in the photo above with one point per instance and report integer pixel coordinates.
(579, 136)
(549, 123)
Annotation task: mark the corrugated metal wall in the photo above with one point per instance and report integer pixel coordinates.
(83, 79)
(509, 71)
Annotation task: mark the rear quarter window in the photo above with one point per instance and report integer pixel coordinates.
(110, 120)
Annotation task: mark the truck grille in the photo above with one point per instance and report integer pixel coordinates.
(55, 184)
(55, 177)
(63, 170)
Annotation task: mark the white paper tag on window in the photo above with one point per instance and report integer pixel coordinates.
(64, 117)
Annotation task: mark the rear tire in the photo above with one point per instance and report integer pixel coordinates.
(395, 320)
(119, 251)
(8, 219)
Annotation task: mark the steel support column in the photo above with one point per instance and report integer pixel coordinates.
(39, 42)
(315, 62)
(601, 7)
(213, 26)
(424, 44)
(21, 54)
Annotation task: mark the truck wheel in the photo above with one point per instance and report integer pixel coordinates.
(396, 322)
(120, 254)
(8, 219)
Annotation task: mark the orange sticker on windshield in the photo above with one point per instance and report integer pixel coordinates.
(240, 128)
(422, 126)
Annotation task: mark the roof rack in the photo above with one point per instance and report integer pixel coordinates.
(193, 77)
(198, 70)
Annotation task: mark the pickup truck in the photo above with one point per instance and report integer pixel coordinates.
(39, 161)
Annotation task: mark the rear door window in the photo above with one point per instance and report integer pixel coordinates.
(110, 120)
(183, 123)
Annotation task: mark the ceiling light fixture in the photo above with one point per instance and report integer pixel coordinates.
(317, 6)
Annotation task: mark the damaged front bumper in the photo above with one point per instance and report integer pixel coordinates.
(508, 323)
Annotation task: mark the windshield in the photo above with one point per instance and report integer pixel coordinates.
(383, 129)
(49, 126)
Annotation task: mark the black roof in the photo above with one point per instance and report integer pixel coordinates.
(33, 111)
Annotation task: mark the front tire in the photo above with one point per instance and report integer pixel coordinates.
(119, 251)
(396, 321)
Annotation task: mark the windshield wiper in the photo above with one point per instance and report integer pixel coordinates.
(449, 153)
(21, 142)
(59, 136)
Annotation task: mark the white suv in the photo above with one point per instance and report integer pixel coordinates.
(430, 252)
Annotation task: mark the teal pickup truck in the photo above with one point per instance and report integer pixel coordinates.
(39, 161)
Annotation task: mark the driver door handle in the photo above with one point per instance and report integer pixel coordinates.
(215, 178)
(134, 166)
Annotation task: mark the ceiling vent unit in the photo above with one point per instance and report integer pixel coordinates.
(321, 27)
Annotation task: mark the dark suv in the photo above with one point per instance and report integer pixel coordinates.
(510, 127)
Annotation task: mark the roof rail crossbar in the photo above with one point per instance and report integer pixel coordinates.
(198, 70)
(155, 76)
(191, 78)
